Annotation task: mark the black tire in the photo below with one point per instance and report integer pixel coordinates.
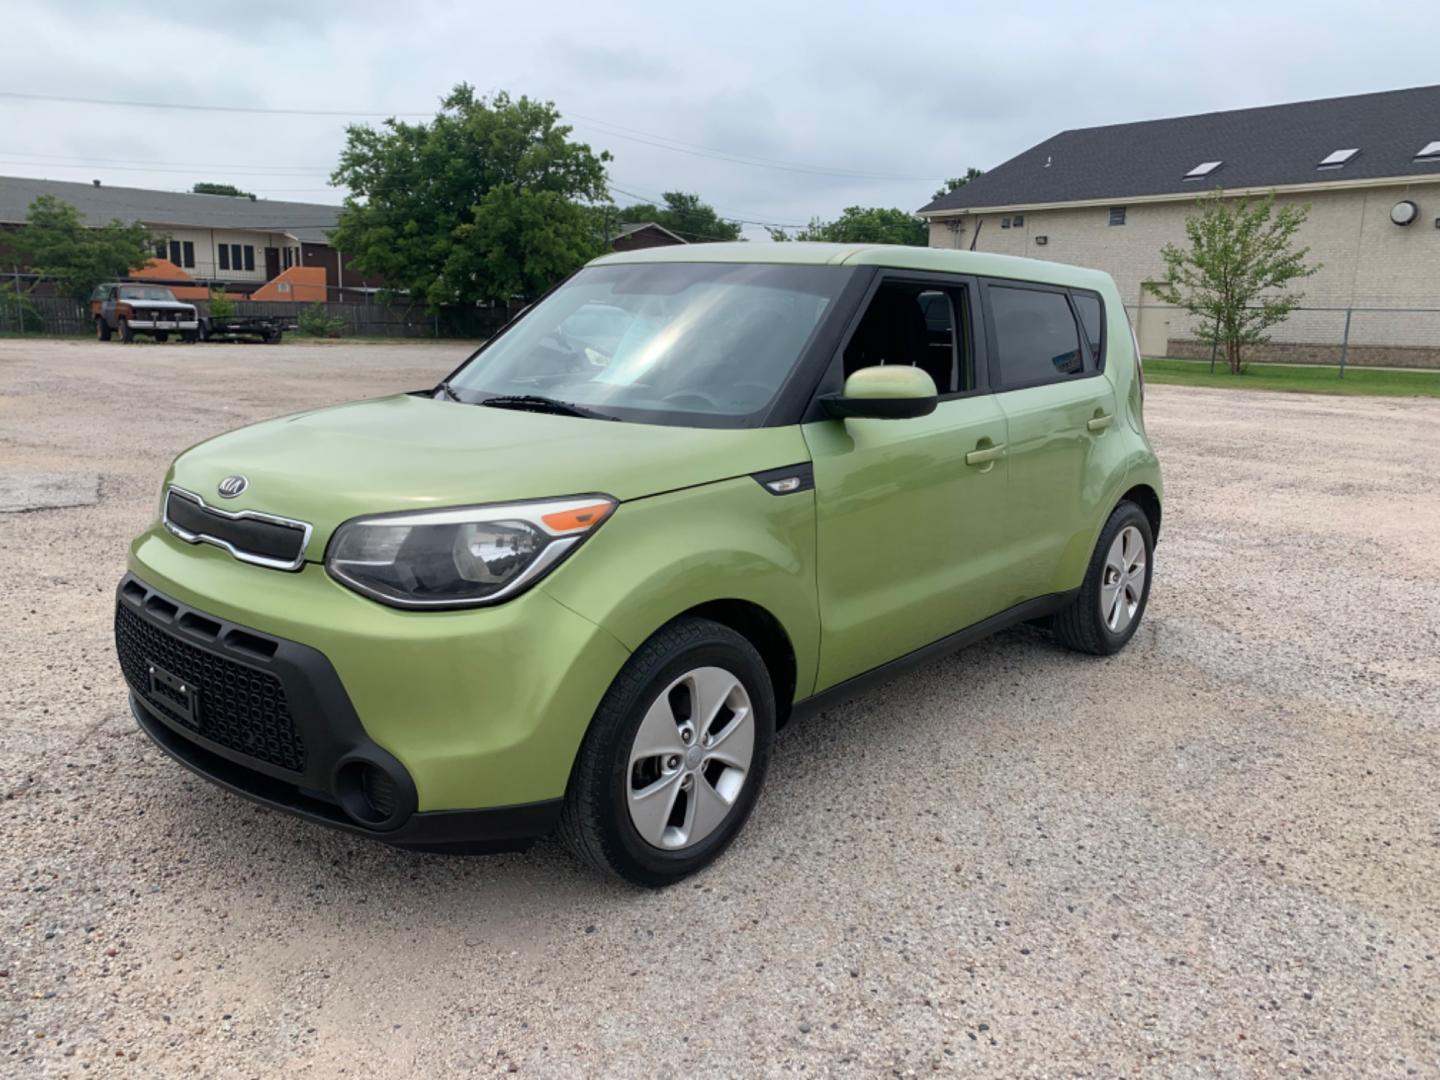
(1082, 625)
(273, 339)
(162, 335)
(126, 334)
(189, 337)
(102, 328)
(595, 821)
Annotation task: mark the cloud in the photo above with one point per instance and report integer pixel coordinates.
(902, 98)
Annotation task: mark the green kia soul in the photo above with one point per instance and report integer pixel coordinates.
(690, 493)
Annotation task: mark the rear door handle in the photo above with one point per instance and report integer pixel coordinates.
(990, 453)
(1100, 423)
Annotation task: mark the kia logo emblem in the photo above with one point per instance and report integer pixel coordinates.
(232, 486)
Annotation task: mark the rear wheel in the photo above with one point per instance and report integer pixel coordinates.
(675, 756)
(102, 328)
(1107, 611)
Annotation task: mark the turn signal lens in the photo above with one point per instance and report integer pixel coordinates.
(580, 519)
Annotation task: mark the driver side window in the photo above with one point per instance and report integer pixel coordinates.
(920, 326)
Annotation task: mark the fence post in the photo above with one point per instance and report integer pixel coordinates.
(1345, 344)
(1214, 344)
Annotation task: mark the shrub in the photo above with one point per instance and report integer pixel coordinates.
(17, 313)
(221, 306)
(316, 321)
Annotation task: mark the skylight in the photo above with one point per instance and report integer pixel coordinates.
(1205, 168)
(1430, 152)
(1337, 158)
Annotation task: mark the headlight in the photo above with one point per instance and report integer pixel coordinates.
(463, 557)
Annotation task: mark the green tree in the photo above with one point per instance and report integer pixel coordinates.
(488, 201)
(205, 187)
(862, 225)
(56, 244)
(957, 182)
(1233, 275)
(685, 215)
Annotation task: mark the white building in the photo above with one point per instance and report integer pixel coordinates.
(1111, 197)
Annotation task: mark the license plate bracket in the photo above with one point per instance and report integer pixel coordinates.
(177, 694)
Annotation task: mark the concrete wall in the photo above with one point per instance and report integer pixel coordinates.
(1367, 262)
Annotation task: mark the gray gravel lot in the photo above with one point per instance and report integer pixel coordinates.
(1215, 854)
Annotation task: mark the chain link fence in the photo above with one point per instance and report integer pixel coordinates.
(1340, 337)
(25, 309)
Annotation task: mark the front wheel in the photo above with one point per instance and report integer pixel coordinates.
(102, 329)
(675, 756)
(1106, 613)
(126, 334)
(162, 335)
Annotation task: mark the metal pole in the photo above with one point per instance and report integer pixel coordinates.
(1214, 344)
(1345, 344)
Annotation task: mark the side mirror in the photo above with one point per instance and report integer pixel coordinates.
(885, 392)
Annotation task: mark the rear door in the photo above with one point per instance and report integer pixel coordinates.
(909, 535)
(1059, 407)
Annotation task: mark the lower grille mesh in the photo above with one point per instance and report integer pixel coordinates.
(240, 708)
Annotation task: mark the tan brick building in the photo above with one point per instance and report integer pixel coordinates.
(1111, 197)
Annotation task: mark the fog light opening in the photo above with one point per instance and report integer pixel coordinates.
(367, 792)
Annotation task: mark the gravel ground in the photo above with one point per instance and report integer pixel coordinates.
(1214, 854)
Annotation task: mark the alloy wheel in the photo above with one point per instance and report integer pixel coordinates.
(690, 758)
(1123, 586)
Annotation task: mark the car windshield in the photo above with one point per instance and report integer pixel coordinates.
(686, 343)
(149, 292)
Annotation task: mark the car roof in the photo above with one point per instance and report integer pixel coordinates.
(892, 256)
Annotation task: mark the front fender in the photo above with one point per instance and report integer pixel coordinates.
(660, 556)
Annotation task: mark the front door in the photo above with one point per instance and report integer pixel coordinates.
(272, 263)
(909, 536)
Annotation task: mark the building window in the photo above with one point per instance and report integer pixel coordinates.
(188, 250)
(1117, 215)
(1018, 220)
(224, 256)
(160, 249)
(175, 252)
(1004, 223)
(249, 257)
(289, 257)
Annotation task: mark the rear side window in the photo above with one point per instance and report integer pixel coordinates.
(1036, 339)
(1087, 305)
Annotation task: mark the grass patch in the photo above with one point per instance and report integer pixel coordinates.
(1297, 378)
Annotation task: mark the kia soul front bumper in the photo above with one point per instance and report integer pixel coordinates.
(418, 729)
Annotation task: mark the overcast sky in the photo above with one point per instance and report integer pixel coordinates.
(869, 104)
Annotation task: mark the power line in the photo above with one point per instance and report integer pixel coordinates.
(618, 131)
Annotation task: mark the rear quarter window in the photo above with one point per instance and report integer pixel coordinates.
(1036, 339)
(1092, 323)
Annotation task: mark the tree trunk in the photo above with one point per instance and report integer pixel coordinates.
(1232, 356)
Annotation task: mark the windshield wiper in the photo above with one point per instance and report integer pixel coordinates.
(539, 403)
(444, 388)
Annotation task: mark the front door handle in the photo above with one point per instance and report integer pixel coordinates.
(990, 453)
(1100, 423)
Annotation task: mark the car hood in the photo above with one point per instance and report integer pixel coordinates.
(160, 305)
(409, 452)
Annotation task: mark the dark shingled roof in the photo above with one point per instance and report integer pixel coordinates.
(307, 222)
(1265, 147)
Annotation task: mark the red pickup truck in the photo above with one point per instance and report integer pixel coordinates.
(128, 310)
